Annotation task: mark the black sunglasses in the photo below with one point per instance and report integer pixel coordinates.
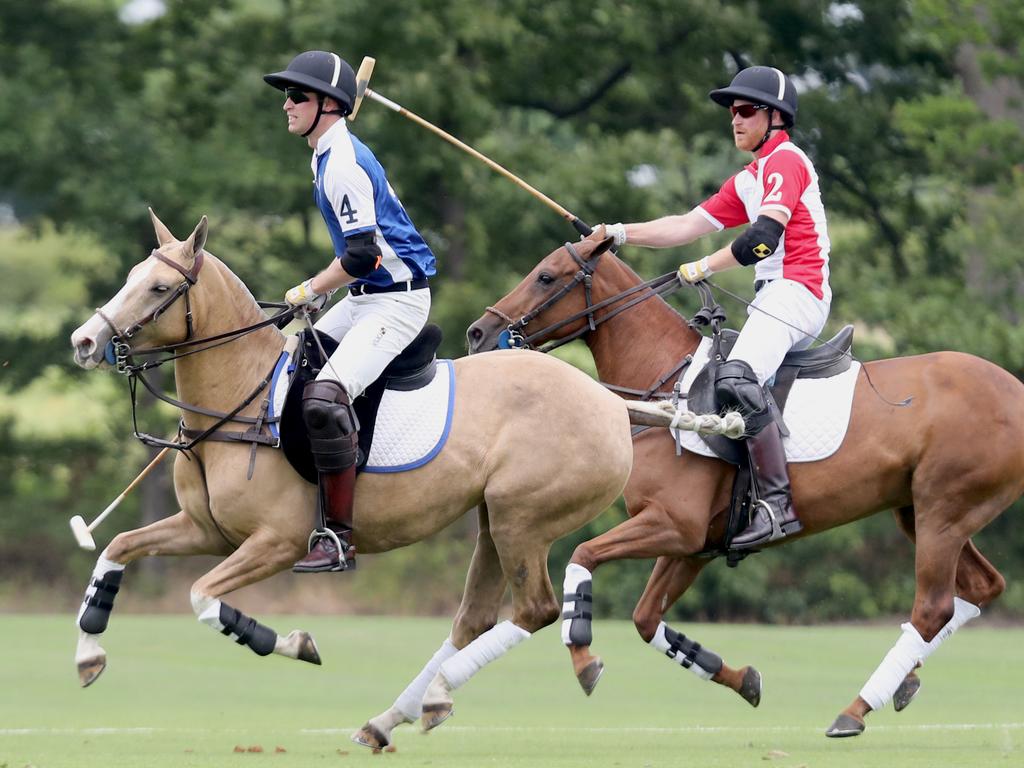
(746, 111)
(297, 95)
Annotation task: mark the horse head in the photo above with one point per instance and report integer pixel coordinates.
(153, 307)
(550, 303)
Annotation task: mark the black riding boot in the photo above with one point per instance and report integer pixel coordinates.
(773, 516)
(333, 434)
(736, 386)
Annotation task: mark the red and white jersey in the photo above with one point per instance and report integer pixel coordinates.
(781, 179)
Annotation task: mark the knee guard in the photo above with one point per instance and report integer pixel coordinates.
(332, 426)
(737, 387)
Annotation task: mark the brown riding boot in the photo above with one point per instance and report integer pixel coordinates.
(333, 435)
(774, 517)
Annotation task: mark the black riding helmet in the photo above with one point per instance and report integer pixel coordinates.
(324, 73)
(762, 85)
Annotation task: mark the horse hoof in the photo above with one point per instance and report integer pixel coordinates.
(750, 687)
(906, 692)
(435, 714)
(845, 725)
(370, 736)
(307, 648)
(590, 674)
(90, 669)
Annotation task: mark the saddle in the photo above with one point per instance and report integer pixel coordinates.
(413, 369)
(829, 359)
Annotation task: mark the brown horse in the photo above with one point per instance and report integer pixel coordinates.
(505, 454)
(944, 482)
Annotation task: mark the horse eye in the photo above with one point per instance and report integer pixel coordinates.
(159, 289)
(545, 279)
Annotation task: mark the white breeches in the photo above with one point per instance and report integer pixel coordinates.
(372, 330)
(783, 316)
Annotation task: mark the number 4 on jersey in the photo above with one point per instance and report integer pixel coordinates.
(347, 211)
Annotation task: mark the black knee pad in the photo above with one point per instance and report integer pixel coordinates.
(98, 605)
(247, 630)
(332, 425)
(737, 388)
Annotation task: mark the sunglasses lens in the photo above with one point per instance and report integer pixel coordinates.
(296, 95)
(745, 111)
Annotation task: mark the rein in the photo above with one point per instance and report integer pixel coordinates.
(513, 337)
(121, 354)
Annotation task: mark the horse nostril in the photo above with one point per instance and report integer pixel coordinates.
(475, 334)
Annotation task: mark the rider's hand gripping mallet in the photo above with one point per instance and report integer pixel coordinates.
(83, 532)
(363, 90)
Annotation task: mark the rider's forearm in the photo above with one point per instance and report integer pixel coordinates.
(332, 278)
(668, 231)
(722, 259)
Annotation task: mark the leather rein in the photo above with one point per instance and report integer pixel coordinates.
(121, 355)
(513, 336)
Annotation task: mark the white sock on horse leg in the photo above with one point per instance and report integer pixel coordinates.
(702, 662)
(410, 701)
(491, 645)
(106, 579)
(573, 601)
(909, 651)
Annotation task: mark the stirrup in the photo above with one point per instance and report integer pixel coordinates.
(778, 530)
(343, 548)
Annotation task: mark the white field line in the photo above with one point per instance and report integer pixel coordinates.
(692, 729)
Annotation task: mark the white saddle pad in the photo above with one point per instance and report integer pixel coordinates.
(411, 427)
(817, 412)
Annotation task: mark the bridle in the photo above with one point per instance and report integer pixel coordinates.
(119, 353)
(513, 337)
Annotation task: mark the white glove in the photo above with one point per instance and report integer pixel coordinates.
(302, 293)
(617, 232)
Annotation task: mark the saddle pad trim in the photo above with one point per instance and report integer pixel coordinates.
(442, 440)
(273, 414)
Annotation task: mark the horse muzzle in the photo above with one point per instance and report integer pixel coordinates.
(90, 342)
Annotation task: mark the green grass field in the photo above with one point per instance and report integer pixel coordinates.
(176, 694)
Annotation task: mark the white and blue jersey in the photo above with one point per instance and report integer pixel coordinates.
(353, 194)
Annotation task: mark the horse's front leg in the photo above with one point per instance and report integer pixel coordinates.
(260, 556)
(669, 581)
(650, 533)
(174, 535)
(481, 599)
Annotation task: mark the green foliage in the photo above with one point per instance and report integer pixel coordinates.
(602, 105)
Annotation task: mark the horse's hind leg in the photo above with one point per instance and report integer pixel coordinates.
(937, 614)
(524, 564)
(669, 580)
(174, 535)
(481, 599)
(260, 556)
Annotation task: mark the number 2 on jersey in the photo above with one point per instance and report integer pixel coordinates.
(775, 194)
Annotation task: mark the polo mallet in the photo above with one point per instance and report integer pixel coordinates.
(83, 532)
(363, 90)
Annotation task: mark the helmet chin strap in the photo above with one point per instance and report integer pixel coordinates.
(768, 133)
(320, 111)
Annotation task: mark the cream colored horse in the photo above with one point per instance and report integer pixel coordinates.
(538, 447)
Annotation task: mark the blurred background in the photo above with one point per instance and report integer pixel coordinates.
(911, 110)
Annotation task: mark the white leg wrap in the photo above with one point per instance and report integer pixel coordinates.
(103, 566)
(491, 645)
(410, 701)
(909, 651)
(661, 644)
(574, 576)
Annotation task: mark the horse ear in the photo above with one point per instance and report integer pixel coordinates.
(197, 240)
(163, 234)
(602, 246)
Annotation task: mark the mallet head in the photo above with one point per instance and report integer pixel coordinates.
(362, 80)
(82, 534)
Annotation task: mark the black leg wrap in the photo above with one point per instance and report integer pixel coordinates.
(581, 613)
(248, 631)
(99, 604)
(689, 652)
(332, 426)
